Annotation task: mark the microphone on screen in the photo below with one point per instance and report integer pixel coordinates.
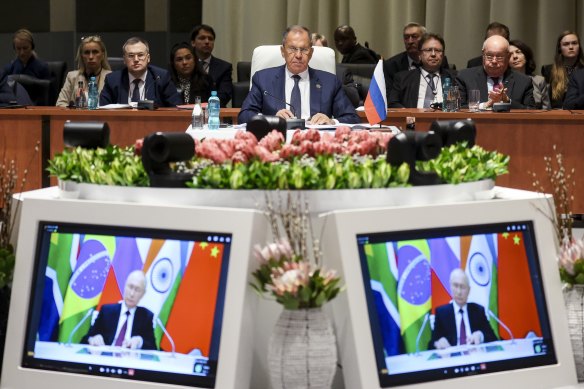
(149, 104)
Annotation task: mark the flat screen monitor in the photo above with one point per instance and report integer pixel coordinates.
(180, 273)
(451, 296)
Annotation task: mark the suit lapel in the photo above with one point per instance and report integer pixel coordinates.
(279, 88)
(315, 92)
(411, 100)
(124, 88)
(482, 80)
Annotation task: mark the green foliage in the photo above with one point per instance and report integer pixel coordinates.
(7, 260)
(110, 166)
(321, 172)
(457, 164)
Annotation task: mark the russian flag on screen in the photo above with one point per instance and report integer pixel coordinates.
(376, 101)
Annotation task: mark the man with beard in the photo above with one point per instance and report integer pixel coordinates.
(420, 87)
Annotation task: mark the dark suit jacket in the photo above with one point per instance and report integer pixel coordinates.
(575, 95)
(519, 86)
(34, 68)
(106, 325)
(359, 54)
(220, 72)
(399, 63)
(445, 324)
(405, 88)
(326, 95)
(159, 88)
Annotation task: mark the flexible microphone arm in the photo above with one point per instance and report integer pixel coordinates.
(159, 322)
(502, 325)
(426, 319)
(282, 101)
(79, 325)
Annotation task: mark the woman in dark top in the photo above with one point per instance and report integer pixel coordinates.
(26, 61)
(189, 78)
(568, 57)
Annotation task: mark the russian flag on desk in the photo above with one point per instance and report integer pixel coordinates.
(376, 101)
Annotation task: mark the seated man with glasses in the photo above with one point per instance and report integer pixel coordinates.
(495, 80)
(139, 80)
(420, 87)
(297, 90)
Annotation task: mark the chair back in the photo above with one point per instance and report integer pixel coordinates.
(116, 63)
(268, 56)
(58, 72)
(243, 71)
(38, 89)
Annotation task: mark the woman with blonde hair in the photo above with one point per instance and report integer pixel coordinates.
(91, 61)
(568, 57)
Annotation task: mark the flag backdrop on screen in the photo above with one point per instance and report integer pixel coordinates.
(517, 307)
(376, 101)
(126, 260)
(190, 321)
(86, 283)
(383, 274)
(414, 292)
(61, 248)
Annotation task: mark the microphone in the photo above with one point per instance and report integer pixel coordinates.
(89, 312)
(282, 101)
(290, 123)
(159, 322)
(426, 319)
(146, 103)
(491, 314)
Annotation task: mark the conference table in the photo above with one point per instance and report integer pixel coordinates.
(527, 136)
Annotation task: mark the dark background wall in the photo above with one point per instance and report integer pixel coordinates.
(58, 25)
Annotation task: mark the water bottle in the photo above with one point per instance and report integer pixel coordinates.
(197, 117)
(445, 91)
(80, 99)
(214, 107)
(93, 94)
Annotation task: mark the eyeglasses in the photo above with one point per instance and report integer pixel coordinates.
(432, 51)
(139, 56)
(491, 57)
(294, 50)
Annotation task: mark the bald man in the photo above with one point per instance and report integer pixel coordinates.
(460, 322)
(125, 324)
(495, 79)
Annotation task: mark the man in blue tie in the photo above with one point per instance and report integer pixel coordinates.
(125, 324)
(460, 322)
(139, 80)
(311, 94)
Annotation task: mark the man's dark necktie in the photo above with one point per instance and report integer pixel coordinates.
(122, 334)
(429, 90)
(295, 101)
(496, 85)
(136, 93)
(462, 328)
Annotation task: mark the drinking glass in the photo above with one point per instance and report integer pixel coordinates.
(474, 99)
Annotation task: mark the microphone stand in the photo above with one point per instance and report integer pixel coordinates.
(89, 312)
(159, 322)
(491, 314)
(426, 318)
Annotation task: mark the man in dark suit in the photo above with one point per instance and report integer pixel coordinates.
(139, 80)
(408, 59)
(575, 94)
(353, 52)
(203, 41)
(460, 322)
(314, 95)
(421, 87)
(494, 28)
(495, 80)
(125, 324)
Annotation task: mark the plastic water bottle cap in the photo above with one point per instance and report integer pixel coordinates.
(214, 93)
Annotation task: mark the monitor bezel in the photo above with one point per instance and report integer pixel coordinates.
(244, 225)
(350, 309)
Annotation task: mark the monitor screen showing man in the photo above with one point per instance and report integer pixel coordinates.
(125, 324)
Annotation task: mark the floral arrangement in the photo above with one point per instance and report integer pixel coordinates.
(288, 270)
(343, 160)
(562, 183)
